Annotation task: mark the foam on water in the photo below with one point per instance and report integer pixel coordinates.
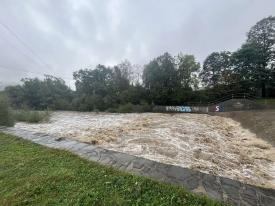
(206, 143)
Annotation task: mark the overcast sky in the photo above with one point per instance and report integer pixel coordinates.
(58, 37)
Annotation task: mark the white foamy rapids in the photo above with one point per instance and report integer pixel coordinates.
(210, 144)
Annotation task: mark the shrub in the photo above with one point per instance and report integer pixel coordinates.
(31, 116)
(96, 110)
(146, 107)
(128, 108)
(6, 117)
(111, 110)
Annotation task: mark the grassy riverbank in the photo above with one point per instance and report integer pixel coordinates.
(34, 175)
(31, 116)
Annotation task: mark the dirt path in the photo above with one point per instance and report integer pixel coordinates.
(211, 144)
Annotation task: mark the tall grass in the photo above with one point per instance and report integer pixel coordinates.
(31, 116)
(6, 115)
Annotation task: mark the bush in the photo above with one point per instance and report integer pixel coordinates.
(96, 110)
(6, 117)
(146, 107)
(31, 116)
(128, 108)
(112, 110)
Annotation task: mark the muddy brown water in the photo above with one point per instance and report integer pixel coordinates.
(210, 144)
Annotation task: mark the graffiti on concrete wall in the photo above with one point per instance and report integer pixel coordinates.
(186, 109)
(219, 108)
(178, 109)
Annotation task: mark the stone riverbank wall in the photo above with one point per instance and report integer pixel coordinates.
(219, 188)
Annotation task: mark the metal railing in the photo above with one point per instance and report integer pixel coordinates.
(226, 97)
(234, 96)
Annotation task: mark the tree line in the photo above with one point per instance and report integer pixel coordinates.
(165, 80)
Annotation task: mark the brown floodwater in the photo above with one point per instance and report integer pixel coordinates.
(210, 144)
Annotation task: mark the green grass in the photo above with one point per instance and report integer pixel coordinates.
(34, 175)
(267, 101)
(31, 116)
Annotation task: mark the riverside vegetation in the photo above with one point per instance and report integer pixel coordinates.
(165, 80)
(9, 116)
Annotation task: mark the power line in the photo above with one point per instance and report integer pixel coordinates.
(26, 71)
(31, 51)
(21, 70)
(25, 45)
(19, 50)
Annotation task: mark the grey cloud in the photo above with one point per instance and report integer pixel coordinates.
(68, 35)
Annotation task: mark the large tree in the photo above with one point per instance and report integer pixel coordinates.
(51, 92)
(262, 36)
(188, 69)
(161, 79)
(94, 81)
(245, 63)
(104, 87)
(33, 95)
(94, 88)
(215, 67)
(16, 95)
(57, 94)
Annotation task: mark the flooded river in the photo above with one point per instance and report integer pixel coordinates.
(210, 144)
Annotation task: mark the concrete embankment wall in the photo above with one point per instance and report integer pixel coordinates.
(216, 187)
(181, 109)
(226, 106)
(260, 122)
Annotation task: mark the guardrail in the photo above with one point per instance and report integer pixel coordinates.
(226, 97)
(234, 96)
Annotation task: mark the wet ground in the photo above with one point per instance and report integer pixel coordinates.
(210, 144)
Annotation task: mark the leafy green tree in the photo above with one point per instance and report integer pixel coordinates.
(215, 67)
(16, 95)
(126, 70)
(33, 95)
(94, 82)
(135, 94)
(188, 69)
(103, 87)
(50, 93)
(121, 81)
(57, 95)
(93, 85)
(160, 78)
(246, 62)
(262, 36)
